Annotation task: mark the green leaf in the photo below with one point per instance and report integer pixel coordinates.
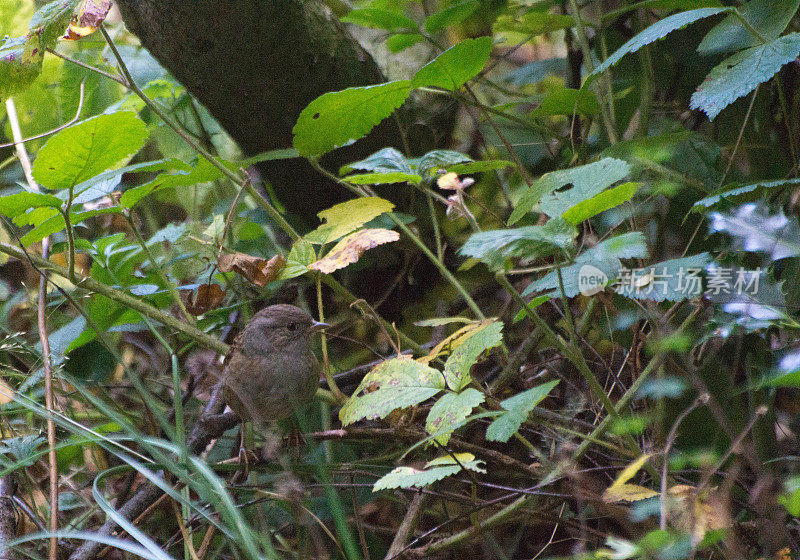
(384, 178)
(20, 64)
(387, 160)
(450, 410)
(672, 280)
(450, 15)
(81, 151)
(626, 246)
(470, 167)
(402, 41)
(739, 74)
(737, 194)
(347, 217)
(300, 256)
(181, 175)
(16, 204)
(529, 242)
(377, 18)
(51, 20)
(518, 407)
(336, 118)
(601, 202)
(587, 181)
(461, 360)
(56, 223)
(768, 17)
(532, 22)
(455, 66)
(582, 277)
(439, 468)
(401, 382)
(566, 101)
(430, 164)
(657, 31)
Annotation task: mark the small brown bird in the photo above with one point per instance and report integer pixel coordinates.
(271, 370)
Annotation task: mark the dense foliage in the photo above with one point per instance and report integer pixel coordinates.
(568, 331)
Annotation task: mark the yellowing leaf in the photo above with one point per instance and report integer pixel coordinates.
(6, 392)
(627, 493)
(349, 249)
(347, 217)
(455, 340)
(628, 472)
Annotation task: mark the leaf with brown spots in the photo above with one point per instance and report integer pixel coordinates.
(87, 18)
(349, 249)
(206, 298)
(259, 271)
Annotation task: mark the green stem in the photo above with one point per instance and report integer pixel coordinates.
(340, 397)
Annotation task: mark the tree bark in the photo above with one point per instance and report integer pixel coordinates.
(255, 64)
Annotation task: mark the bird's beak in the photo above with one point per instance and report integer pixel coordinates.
(318, 326)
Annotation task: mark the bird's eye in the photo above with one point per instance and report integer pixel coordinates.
(292, 326)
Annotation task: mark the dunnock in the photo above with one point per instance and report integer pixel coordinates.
(271, 370)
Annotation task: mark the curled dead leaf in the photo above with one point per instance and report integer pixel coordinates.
(259, 271)
(87, 18)
(205, 298)
(349, 249)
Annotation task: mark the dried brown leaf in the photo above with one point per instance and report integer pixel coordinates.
(259, 271)
(88, 17)
(205, 298)
(349, 249)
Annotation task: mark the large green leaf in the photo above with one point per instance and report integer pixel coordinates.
(81, 151)
(179, 174)
(461, 360)
(15, 204)
(337, 118)
(737, 194)
(387, 160)
(347, 217)
(449, 411)
(768, 17)
(518, 407)
(600, 202)
(455, 66)
(566, 101)
(529, 242)
(377, 18)
(20, 64)
(50, 21)
(739, 74)
(586, 180)
(532, 22)
(657, 31)
(399, 382)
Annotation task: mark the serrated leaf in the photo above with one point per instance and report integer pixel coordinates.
(657, 31)
(517, 409)
(626, 246)
(450, 15)
(347, 217)
(337, 118)
(384, 178)
(461, 360)
(399, 382)
(83, 150)
(442, 467)
(455, 66)
(300, 256)
(600, 202)
(578, 278)
(450, 410)
(435, 160)
(56, 223)
(350, 248)
(377, 18)
(739, 193)
(739, 74)
(753, 228)
(180, 175)
(387, 160)
(16, 204)
(455, 340)
(530, 242)
(768, 17)
(50, 21)
(671, 280)
(587, 180)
